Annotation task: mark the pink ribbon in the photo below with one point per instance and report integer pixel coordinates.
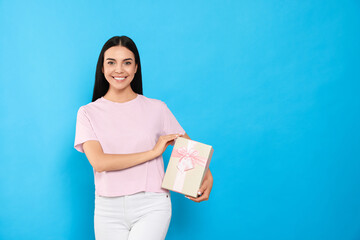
(188, 157)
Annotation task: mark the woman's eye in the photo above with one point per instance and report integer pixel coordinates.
(110, 63)
(127, 63)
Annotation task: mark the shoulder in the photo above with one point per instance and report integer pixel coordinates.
(152, 101)
(92, 106)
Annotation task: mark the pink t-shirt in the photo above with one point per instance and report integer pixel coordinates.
(123, 128)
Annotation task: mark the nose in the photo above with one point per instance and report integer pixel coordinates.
(118, 68)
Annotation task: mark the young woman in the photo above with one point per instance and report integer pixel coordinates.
(124, 134)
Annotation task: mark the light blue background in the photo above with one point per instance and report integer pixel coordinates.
(272, 85)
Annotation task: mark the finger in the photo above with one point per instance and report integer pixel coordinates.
(204, 197)
(191, 198)
(170, 141)
(202, 188)
(174, 135)
(167, 138)
(199, 193)
(199, 198)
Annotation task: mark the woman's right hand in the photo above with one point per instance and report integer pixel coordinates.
(163, 142)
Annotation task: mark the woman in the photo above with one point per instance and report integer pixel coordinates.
(123, 134)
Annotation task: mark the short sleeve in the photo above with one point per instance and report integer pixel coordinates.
(170, 124)
(84, 130)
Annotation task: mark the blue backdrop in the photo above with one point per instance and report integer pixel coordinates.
(272, 85)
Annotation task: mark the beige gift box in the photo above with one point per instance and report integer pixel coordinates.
(187, 166)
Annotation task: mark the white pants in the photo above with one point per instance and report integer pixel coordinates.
(143, 215)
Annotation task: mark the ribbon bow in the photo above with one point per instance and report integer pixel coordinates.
(188, 157)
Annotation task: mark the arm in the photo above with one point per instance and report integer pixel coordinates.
(206, 185)
(101, 161)
(111, 162)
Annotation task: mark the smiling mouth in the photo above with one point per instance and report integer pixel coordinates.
(119, 78)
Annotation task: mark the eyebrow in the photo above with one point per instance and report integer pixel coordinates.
(115, 59)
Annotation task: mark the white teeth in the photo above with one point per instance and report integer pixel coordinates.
(119, 78)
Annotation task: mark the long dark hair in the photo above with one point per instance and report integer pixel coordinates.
(101, 85)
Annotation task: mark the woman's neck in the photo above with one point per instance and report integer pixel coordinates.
(121, 97)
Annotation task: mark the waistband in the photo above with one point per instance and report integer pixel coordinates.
(142, 193)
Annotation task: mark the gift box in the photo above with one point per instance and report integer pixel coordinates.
(187, 166)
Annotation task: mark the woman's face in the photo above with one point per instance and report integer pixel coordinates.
(119, 67)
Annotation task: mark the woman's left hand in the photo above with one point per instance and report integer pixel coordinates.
(205, 188)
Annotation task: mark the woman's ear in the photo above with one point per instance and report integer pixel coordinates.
(136, 68)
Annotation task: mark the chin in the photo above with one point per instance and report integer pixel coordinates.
(122, 87)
